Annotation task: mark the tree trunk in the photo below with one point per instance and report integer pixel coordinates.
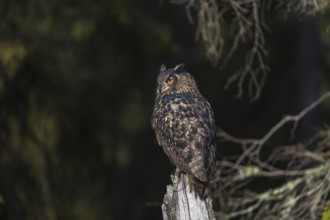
(182, 204)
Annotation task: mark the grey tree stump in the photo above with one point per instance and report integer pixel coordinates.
(181, 204)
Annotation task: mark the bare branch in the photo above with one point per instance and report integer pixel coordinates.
(277, 126)
(305, 180)
(247, 25)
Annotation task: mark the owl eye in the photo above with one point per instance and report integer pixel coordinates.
(170, 80)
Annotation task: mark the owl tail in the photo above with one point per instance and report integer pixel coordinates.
(197, 186)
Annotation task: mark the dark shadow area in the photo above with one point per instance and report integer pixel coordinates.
(77, 86)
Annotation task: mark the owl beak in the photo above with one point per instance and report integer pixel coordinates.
(162, 87)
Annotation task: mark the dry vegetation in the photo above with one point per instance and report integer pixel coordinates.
(247, 25)
(304, 182)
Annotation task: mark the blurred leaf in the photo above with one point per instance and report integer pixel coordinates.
(2, 200)
(133, 114)
(123, 155)
(11, 55)
(82, 28)
(326, 211)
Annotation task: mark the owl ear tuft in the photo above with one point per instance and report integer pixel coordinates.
(179, 67)
(162, 68)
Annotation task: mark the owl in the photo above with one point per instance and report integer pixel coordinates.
(184, 125)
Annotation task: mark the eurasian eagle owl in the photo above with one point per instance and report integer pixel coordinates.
(184, 124)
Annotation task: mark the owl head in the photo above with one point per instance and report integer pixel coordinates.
(176, 80)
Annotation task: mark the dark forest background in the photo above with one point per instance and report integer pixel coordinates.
(77, 85)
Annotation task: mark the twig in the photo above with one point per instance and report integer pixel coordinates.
(247, 23)
(306, 176)
(277, 126)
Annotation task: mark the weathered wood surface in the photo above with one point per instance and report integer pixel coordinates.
(181, 204)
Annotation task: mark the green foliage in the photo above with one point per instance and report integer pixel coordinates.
(326, 212)
(72, 103)
(2, 200)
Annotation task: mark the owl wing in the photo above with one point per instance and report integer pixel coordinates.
(204, 144)
(185, 128)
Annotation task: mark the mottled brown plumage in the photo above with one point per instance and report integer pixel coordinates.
(184, 124)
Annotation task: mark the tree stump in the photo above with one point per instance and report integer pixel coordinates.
(182, 204)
